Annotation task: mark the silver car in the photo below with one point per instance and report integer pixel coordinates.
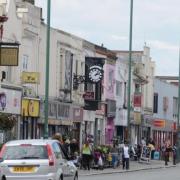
(35, 159)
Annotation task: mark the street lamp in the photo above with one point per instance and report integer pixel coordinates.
(178, 127)
(47, 70)
(130, 63)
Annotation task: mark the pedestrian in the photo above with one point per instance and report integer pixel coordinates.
(126, 156)
(174, 150)
(66, 146)
(86, 155)
(58, 137)
(74, 147)
(168, 149)
(143, 142)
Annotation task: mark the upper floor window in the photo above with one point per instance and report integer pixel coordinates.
(25, 62)
(118, 88)
(155, 107)
(175, 107)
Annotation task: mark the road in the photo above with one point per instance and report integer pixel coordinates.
(157, 174)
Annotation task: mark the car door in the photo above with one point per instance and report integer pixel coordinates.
(70, 166)
(61, 164)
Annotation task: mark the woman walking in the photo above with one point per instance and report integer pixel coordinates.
(86, 155)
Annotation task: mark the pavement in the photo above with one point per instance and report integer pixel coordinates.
(134, 166)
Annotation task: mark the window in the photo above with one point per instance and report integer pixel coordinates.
(25, 62)
(57, 151)
(118, 88)
(175, 106)
(52, 110)
(26, 151)
(137, 88)
(155, 107)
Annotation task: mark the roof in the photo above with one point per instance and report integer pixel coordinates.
(30, 141)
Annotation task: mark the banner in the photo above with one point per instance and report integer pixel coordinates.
(30, 108)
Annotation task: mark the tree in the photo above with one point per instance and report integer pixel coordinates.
(7, 122)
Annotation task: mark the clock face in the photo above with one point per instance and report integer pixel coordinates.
(95, 73)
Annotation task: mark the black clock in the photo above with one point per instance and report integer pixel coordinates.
(95, 73)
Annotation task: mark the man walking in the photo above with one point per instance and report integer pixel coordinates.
(126, 156)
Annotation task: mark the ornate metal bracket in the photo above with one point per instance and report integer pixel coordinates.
(78, 79)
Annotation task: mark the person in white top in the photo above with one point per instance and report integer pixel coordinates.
(126, 156)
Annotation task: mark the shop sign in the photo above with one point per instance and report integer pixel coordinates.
(77, 114)
(137, 99)
(9, 56)
(10, 101)
(30, 77)
(30, 108)
(137, 118)
(88, 95)
(159, 123)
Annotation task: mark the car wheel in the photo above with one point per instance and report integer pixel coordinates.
(76, 177)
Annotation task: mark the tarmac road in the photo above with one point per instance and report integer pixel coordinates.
(156, 174)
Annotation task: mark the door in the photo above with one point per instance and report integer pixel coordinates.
(60, 163)
(70, 167)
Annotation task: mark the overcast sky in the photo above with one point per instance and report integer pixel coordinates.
(156, 22)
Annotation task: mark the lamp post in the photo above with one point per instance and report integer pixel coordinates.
(129, 77)
(178, 127)
(47, 70)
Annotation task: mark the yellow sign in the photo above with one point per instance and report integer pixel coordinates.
(30, 108)
(9, 56)
(137, 117)
(30, 77)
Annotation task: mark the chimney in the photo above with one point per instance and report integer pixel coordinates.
(30, 1)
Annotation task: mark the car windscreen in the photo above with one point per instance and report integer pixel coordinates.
(25, 152)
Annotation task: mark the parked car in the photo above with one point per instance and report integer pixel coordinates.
(35, 159)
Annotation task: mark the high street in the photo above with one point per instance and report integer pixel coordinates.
(155, 174)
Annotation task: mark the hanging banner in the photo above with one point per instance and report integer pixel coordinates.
(30, 108)
(137, 118)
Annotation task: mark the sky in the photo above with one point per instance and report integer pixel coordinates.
(155, 22)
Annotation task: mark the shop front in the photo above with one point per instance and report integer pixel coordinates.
(60, 119)
(87, 129)
(121, 124)
(10, 105)
(77, 121)
(162, 130)
(29, 118)
(110, 122)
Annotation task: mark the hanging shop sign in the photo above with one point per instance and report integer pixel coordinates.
(89, 95)
(30, 108)
(30, 77)
(137, 117)
(137, 102)
(9, 53)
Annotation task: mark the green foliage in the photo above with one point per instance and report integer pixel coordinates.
(7, 122)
